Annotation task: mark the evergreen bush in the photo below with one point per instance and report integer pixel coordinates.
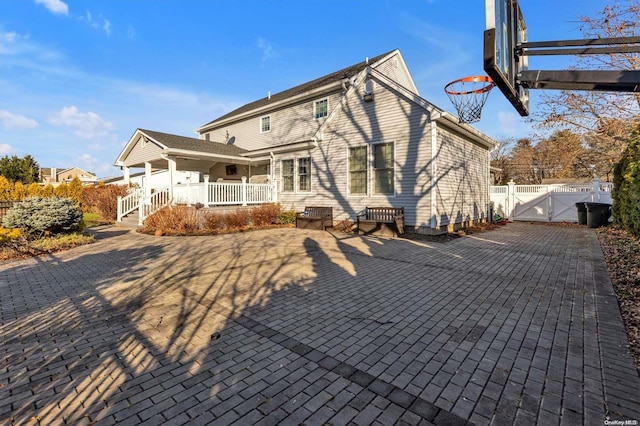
(37, 215)
(626, 188)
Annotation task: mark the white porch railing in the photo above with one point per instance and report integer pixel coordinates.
(548, 203)
(129, 202)
(225, 193)
(151, 204)
(209, 194)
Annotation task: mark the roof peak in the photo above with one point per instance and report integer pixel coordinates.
(316, 83)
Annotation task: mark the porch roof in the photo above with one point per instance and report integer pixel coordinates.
(177, 145)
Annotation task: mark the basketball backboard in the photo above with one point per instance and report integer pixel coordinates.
(505, 31)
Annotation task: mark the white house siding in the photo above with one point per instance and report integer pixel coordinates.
(389, 118)
(395, 70)
(462, 179)
(291, 124)
(138, 154)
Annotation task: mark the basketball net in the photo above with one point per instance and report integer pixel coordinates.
(468, 96)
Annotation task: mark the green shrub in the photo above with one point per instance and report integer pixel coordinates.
(287, 217)
(626, 188)
(37, 215)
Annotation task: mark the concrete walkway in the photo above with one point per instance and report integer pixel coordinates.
(514, 326)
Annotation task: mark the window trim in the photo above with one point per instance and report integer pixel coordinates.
(282, 190)
(260, 123)
(315, 108)
(296, 175)
(373, 170)
(366, 170)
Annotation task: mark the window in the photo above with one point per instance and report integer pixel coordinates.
(265, 124)
(287, 176)
(383, 163)
(304, 174)
(321, 108)
(358, 170)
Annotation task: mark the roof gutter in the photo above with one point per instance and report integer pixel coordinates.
(295, 146)
(183, 153)
(451, 121)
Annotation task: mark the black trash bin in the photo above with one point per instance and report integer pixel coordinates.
(582, 213)
(597, 214)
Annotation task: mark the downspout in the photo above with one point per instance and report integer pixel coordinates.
(434, 171)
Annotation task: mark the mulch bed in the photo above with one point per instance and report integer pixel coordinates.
(622, 255)
(445, 238)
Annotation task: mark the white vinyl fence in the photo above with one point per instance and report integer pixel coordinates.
(547, 203)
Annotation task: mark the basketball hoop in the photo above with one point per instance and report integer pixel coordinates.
(468, 96)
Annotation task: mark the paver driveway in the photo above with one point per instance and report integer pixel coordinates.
(287, 326)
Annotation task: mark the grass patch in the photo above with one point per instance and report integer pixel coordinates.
(94, 219)
(23, 247)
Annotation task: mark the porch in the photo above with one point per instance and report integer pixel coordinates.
(209, 194)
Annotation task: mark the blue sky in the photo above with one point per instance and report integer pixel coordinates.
(78, 77)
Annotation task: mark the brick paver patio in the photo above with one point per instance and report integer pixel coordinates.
(287, 326)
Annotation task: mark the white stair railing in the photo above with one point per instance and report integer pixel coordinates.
(129, 202)
(151, 204)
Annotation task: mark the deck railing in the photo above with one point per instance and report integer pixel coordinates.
(151, 204)
(209, 194)
(129, 202)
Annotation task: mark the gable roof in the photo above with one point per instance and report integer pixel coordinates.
(176, 143)
(318, 83)
(192, 144)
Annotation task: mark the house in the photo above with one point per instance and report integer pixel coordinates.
(358, 137)
(56, 176)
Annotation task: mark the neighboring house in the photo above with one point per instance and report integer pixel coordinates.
(56, 176)
(359, 137)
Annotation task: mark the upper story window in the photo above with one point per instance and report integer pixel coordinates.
(321, 108)
(265, 124)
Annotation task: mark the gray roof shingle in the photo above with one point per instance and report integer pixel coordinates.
(305, 87)
(193, 144)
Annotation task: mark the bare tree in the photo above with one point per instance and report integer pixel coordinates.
(501, 161)
(604, 118)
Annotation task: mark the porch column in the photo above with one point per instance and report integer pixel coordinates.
(147, 179)
(171, 162)
(127, 175)
(205, 194)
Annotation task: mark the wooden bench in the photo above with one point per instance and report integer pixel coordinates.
(319, 218)
(385, 221)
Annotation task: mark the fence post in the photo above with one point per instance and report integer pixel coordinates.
(595, 190)
(119, 209)
(511, 198)
(244, 190)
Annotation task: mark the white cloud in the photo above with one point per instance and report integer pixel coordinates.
(131, 33)
(100, 23)
(86, 125)
(267, 49)
(6, 149)
(90, 164)
(16, 121)
(55, 6)
(107, 27)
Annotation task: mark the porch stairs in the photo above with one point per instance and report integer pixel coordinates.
(129, 221)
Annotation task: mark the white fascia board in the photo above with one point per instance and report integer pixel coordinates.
(294, 146)
(357, 81)
(473, 133)
(270, 107)
(131, 143)
(203, 155)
